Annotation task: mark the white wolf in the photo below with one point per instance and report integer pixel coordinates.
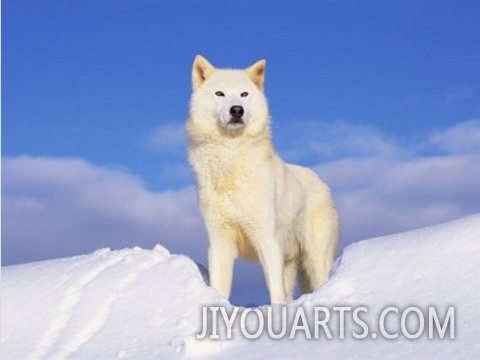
(253, 204)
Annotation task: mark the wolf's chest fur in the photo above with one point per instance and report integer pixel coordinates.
(227, 168)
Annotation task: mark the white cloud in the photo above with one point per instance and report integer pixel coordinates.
(383, 194)
(334, 140)
(168, 137)
(169, 141)
(176, 172)
(59, 206)
(461, 138)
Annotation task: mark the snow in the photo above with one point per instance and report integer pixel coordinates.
(147, 304)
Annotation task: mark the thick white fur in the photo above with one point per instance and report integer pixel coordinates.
(254, 205)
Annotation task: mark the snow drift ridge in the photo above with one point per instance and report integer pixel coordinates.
(145, 304)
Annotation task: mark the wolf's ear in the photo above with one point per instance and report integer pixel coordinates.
(201, 71)
(256, 72)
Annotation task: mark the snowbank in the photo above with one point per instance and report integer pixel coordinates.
(109, 304)
(147, 304)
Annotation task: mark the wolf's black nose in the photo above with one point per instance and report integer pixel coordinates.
(236, 111)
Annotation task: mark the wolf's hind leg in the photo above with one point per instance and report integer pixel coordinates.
(290, 276)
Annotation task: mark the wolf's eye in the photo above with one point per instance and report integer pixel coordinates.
(219, 93)
(244, 94)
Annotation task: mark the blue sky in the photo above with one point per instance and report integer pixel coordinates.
(381, 98)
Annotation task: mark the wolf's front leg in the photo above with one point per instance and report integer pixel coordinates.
(220, 265)
(272, 260)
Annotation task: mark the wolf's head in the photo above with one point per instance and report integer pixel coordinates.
(226, 101)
